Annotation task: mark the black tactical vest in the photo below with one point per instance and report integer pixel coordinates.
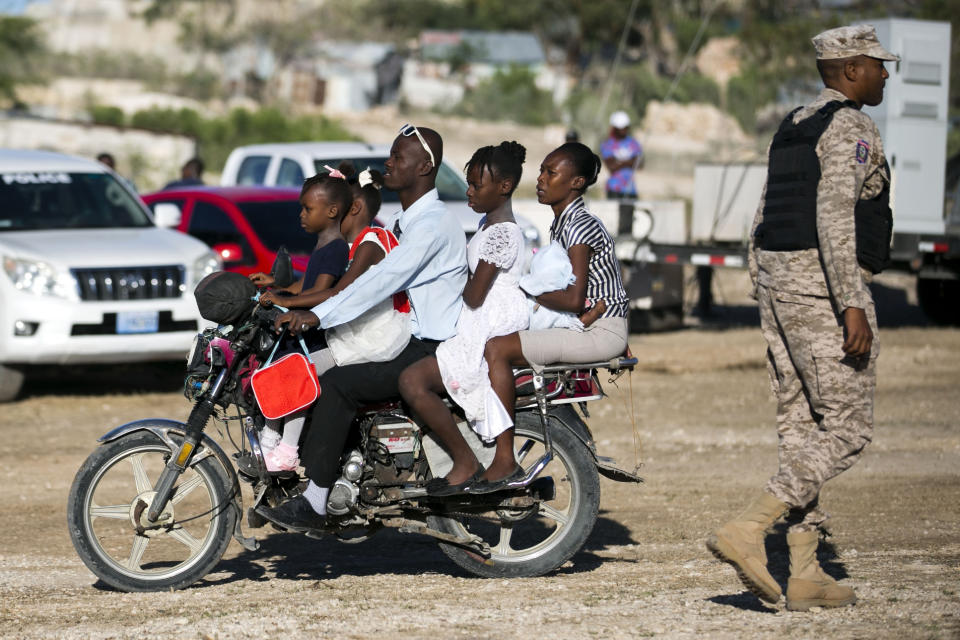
(790, 209)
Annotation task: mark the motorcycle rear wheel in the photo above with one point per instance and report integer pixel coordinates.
(106, 514)
(534, 545)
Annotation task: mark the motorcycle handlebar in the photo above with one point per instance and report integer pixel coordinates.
(267, 315)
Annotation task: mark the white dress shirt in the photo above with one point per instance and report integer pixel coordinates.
(430, 264)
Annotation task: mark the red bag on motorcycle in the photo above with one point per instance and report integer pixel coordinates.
(287, 385)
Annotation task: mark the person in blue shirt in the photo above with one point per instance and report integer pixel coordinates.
(622, 155)
(191, 175)
(430, 264)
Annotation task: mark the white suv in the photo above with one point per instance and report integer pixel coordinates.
(87, 277)
(288, 164)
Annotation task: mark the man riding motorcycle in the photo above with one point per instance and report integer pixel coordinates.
(430, 264)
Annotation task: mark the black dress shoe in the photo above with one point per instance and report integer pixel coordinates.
(487, 486)
(440, 487)
(295, 515)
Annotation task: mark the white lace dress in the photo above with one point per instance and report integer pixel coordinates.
(463, 368)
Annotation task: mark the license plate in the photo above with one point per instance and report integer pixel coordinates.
(138, 321)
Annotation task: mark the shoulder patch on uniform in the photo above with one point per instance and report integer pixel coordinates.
(863, 150)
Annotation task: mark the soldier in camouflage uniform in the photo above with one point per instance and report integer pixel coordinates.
(818, 236)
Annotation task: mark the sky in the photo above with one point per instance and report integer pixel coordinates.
(15, 7)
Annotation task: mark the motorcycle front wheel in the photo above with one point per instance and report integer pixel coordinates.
(529, 543)
(107, 515)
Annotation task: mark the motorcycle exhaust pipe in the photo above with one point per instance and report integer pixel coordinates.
(532, 474)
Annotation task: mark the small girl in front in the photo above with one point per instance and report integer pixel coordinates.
(324, 201)
(381, 332)
(494, 305)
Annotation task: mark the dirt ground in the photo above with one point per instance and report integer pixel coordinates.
(705, 416)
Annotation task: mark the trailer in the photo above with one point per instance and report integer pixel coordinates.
(912, 120)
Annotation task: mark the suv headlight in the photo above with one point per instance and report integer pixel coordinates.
(206, 264)
(40, 278)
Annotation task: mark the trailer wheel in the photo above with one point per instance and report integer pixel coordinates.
(653, 320)
(937, 298)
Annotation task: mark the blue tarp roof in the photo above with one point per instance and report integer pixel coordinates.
(491, 47)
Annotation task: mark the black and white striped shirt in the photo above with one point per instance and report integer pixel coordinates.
(575, 225)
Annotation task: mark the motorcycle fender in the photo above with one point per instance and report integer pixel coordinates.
(162, 427)
(568, 418)
(565, 415)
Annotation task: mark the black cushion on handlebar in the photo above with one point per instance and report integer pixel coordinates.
(224, 297)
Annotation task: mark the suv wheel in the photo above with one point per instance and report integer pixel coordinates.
(11, 381)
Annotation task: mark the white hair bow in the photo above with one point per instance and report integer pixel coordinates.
(365, 178)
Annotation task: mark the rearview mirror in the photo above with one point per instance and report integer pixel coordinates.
(282, 269)
(167, 214)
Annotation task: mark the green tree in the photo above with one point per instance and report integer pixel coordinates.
(509, 94)
(580, 27)
(104, 114)
(21, 50)
(103, 63)
(199, 84)
(205, 25)
(217, 136)
(631, 90)
(693, 87)
(748, 92)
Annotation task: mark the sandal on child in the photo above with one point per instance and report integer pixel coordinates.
(282, 458)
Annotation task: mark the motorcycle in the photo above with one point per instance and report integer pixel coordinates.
(154, 506)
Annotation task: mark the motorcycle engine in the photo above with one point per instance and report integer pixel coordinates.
(392, 447)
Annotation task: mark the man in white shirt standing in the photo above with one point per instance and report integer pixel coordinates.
(430, 264)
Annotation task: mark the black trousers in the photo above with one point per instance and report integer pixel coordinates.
(342, 391)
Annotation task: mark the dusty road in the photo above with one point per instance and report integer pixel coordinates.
(705, 418)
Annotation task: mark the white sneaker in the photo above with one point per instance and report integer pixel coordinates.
(269, 439)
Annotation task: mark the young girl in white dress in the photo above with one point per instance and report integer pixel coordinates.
(494, 305)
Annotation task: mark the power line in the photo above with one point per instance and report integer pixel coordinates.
(704, 22)
(616, 64)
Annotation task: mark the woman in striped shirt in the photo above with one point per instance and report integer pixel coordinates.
(565, 175)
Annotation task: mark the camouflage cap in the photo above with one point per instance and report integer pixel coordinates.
(847, 42)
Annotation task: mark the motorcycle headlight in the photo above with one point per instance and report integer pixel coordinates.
(206, 264)
(40, 278)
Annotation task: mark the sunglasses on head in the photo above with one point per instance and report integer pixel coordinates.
(409, 130)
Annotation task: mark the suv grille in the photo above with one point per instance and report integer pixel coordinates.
(130, 283)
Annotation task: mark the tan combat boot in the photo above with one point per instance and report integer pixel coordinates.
(740, 543)
(808, 585)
